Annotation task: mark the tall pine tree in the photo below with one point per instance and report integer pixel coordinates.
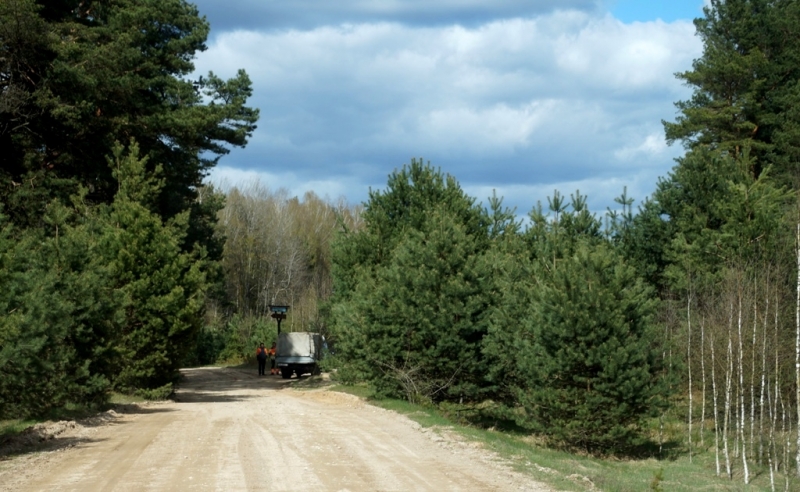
(746, 85)
(409, 293)
(163, 286)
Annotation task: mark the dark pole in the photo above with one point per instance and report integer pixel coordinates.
(279, 313)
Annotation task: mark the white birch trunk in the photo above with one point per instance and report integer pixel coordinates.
(726, 422)
(716, 413)
(742, 414)
(689, 364)
(741, 400)
(797, 351)
(770, 446)
(735, 413)
(703, 373)
(753, 369)
(773, 413)
(763, 381)
(786, 443)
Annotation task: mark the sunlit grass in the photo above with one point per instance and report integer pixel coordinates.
(123, 399)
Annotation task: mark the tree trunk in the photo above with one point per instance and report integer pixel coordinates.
(753, 368)
(716, 413)
(763, 381)
(742, 414)
(689, 365)
(770, 445)
(728, 376)
(797, 351)
(703, 374)
(786, 444)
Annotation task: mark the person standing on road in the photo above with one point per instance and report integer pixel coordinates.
(272, 351)
(261, 355)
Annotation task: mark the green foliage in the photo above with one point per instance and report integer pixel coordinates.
(709, 213)
(209, 346)
(550, 238)
(571, 341)
(405, 206)
(78, 77)
(409, 303)
(419, 321)
(440, 301)
(60, 315)
(746, 85)
(156, 394)
(242, 334)
(163, 287)
(104, 269)
(588, 353)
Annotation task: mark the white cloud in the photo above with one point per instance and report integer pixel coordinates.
(564, 98)
(600, 192)
(653, 145)
(638, 56)
(333, 189)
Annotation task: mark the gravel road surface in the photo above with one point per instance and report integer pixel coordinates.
(230, 430)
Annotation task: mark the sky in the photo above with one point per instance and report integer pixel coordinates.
(519, 97)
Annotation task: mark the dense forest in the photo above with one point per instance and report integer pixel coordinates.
(107, 252)
(603, 333)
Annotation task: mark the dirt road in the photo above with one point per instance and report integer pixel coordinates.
(232, 430)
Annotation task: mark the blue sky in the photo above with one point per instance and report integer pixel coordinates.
(650, 10)
(518, 96)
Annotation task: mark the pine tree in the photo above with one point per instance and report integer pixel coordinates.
(409, 299)
(588, 353)
(78, 76)
(746, 85)
(60, 314)
(163, 287)
(421, 319)
(571, 346)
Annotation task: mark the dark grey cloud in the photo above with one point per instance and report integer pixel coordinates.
(309, 14)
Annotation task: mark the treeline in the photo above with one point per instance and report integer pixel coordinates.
(107, 254)
(440, 300)
(277, 251)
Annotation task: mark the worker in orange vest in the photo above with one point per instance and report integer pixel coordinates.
(272, 351)
(261, 355)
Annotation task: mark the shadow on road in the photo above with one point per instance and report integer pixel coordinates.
(226, 384)
(56, 436)
(140, 409)
(10, 450)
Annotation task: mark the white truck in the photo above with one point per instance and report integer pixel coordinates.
(298, 352)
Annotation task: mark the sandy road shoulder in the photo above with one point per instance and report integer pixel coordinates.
(42, 448)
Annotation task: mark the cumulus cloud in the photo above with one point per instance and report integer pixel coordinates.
(333, 189)
(653, 145)
(527, 103)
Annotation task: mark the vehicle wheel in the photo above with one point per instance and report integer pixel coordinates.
(286, 372)
(315, 370)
